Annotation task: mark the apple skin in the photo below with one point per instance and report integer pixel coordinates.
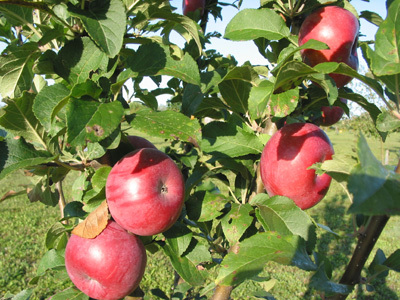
(145, 192)
(331, 114)
(193, 5)
(286, 158)
(138, 142)
(109, 266)
(336, 27)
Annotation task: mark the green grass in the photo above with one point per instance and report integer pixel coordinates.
(23, 226)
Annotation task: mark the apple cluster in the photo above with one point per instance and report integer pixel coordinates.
(145, 195)
(287, 157)
(338, 28)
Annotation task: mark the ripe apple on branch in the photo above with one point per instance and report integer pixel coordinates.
(109, 266)
(336, 27)
(285, 162)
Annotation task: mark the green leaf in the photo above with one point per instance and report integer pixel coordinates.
(236, 85)
(99, 178)
(386, 122)
(321, 282)
(87, 88)
(16, 69)
(52, 259)
(192, 98)
(185, 268)
(393, 261)
(229, 139)
(105, 22)
(253, 253)
(375, 189)
(236, 221)
(91, 121)
(338, 167)
(185, 26)
(20, 154)
(283, 104)
(344, 69)
(42, 192)
(53, 234)
(250, 24)
(23, 295)
(205, 206)
(17, 15)
(235, 93)
(155, 59)
(371, 17)
(178, 237)
(78, 59)
(371, 108)
(377, 267)
(74, 209)
(291, 74)
(386, 57)
(167, 124)
(258, 99)
(70, 294)
(48, 103)
(79, 187)
(20, 120)
(211, 79)
(198, 252)
(280, 214)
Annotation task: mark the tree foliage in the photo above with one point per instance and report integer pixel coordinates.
(63, 75)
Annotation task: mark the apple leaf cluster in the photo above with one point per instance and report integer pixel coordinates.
(71, 78)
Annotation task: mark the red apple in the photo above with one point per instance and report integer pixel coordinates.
(108, 267)
(193, 5)
(336, 27)
(138, 142)
(331, 114)
(285, 161)
(145, 192)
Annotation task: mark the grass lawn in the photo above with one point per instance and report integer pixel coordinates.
(23, 226)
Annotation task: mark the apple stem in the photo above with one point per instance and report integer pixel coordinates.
(366, 242)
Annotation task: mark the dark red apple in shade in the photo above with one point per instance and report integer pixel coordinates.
(145, 192)
(192, 6)
(336, 27)
(109, 266)
(331, 114)
(285, 161)
(138, 142)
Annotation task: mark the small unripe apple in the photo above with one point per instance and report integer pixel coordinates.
(285, 161)
(109, 266)
(338, 28)
(145, 192)
(331, 114)
(193, 5)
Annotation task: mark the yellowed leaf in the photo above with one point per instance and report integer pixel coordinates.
(94, 223)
